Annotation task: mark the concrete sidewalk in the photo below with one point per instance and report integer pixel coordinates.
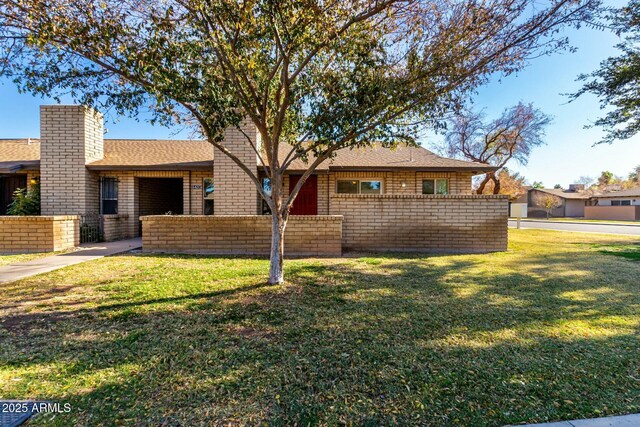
(86, 252)
(620, 421)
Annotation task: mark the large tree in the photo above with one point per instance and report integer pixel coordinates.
(617, 81)
(512, 184)
(511, 136)
(319, 76)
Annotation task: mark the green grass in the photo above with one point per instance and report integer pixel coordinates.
(547, 331)
(6, 259)
(630, 251)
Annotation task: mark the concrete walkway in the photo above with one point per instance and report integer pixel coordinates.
(620, 421)
(86, 252)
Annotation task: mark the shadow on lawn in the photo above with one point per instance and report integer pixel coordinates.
(386, 339)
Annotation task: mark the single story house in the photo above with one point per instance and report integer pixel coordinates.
(122, 181)
(573, 201)
(630, 197)
(616, 205)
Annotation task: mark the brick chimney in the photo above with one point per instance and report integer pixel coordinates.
(70, 137)
(235, 193)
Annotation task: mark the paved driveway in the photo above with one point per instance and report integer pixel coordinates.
(586, 227)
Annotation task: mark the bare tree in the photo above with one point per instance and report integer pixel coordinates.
(511, 136)
(547, 201)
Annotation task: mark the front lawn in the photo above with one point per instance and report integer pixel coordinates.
(546, 331)
(6, 259)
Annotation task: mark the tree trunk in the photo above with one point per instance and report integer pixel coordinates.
(484, 182)
(276, 266)
(496, 185)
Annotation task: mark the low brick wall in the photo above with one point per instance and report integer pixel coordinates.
(423, 223)
(115, 227)
(21, 234)
(243, 234)
(618, 213)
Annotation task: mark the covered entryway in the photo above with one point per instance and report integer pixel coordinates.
(306, 203)
(8, 185)
(160, 196)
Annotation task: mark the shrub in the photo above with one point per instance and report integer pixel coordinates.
(25, 202)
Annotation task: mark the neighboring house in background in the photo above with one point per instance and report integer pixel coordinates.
(81, 173)
(573, 200)
(630, 197)
(616, 205)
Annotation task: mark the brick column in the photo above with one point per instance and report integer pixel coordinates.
(71, 136)
(235, 193)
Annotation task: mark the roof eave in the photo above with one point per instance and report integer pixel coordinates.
(17, 166)
(193, 166)
(472, 169)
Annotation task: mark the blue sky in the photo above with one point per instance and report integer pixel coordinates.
(568, 154)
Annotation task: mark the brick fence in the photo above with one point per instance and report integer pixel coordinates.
(115, 227)
(38, 233)
(422, 223)
(404, 223)
(241, 234)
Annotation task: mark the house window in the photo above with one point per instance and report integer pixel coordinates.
(207, 194)
(621, 203)
(109, 196)
(435, 186)
(359, 186)
(266, 187)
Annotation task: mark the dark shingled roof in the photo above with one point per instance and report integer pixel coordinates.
(564, 194)
(631, 192)
(194, 154)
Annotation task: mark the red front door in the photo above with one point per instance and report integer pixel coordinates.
(306, 203)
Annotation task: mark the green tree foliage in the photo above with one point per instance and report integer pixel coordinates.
(606, 178)
(25, 202)
(313, 76)
(537, 184)
(617, 80)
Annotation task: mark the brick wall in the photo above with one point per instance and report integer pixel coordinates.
(453, 223)
(20, 234)
(115, 227)
(235, 192)
(246, 234)
(71, 136)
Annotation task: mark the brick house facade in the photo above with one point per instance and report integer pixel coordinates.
(124, 180)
